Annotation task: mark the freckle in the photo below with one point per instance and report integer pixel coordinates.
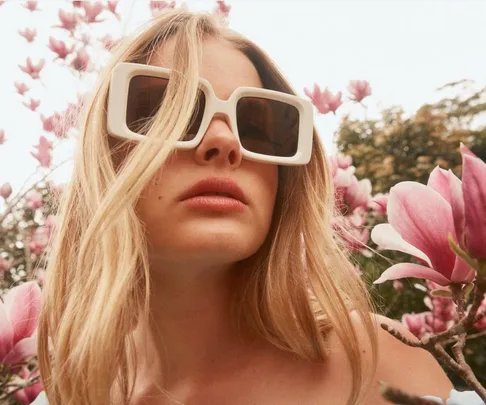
(159, 197)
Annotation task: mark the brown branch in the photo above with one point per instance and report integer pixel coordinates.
(468, 337)
(458, 332)
(19, 387)
(16, 199)
(397, 396)
(399, 336)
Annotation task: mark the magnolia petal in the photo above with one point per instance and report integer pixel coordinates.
(457, 204)
(466, 151)
(474, 189)
(22, 304)
(386, 237)
(342, 178)
(6, 333)
(439, 181)
(22, 350)
(462, 272)
(404, 270)
(424, 219)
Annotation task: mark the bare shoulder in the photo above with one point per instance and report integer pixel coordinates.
(412, 369)
(408, 368)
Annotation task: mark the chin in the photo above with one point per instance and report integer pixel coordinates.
(221, 247)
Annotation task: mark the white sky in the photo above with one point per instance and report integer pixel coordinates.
(405, 49)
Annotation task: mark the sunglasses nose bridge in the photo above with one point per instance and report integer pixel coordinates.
(223, 109)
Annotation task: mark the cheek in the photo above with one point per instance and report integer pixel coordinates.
(153, 199)
(267, 179)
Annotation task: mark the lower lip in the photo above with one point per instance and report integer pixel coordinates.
(215, 203)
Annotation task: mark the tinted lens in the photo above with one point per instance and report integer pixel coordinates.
(145, 95)
(268, 127)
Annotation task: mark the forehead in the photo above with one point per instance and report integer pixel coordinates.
(225, 67)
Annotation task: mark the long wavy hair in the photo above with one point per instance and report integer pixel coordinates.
(300, 285)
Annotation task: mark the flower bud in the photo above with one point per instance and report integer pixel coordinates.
(5, 190)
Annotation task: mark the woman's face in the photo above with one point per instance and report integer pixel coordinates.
(178, 232)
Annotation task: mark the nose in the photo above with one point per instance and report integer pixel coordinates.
(219, 145)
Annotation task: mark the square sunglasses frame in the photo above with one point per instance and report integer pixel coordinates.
(118, 99)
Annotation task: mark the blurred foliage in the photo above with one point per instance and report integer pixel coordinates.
(397, 148)
(17, 229)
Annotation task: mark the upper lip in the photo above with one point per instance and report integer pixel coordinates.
(216, 185)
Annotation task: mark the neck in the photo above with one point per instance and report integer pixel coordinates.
(193, 333)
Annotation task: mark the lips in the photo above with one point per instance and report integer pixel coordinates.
(215, 186)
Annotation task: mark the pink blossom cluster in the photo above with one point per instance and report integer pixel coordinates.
(451, 212)
(441, 315)
(326, 101)
(73, 55)
(354, 202)
(19, 313)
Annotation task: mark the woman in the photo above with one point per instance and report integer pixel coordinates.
(195, 262)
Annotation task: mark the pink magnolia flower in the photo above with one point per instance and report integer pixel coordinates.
(51, 221)
(5, 190)
(21, 88)
(398, 285)
(19, 313)
(43, 154)
(28, 34)
(156, 6)
(32, 105)
(40, 276)
(415, 323)
(349, 193)
(69, 21)
(41, 235)
(62, 123)
(109, 42)
(37, 247)
(359, 89)
(59, 47)
(378, 203)
(341, 179)
(78, 3)
(92, 11)
(111, 6)
(31, 69)
(357, 194)
(353, 232)
(221, 12)
(51, 123)
(481, 324)
(2, 136)
(420, 220)
(341, 161)
(442, 310)
(34, 200)
(31, 5)
(325, 101)
(435, 324)
(469, 203)
(80, 62)
(222, 7)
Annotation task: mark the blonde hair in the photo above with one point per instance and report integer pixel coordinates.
(98, 281)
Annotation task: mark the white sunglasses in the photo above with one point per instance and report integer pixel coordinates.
(271, 126)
